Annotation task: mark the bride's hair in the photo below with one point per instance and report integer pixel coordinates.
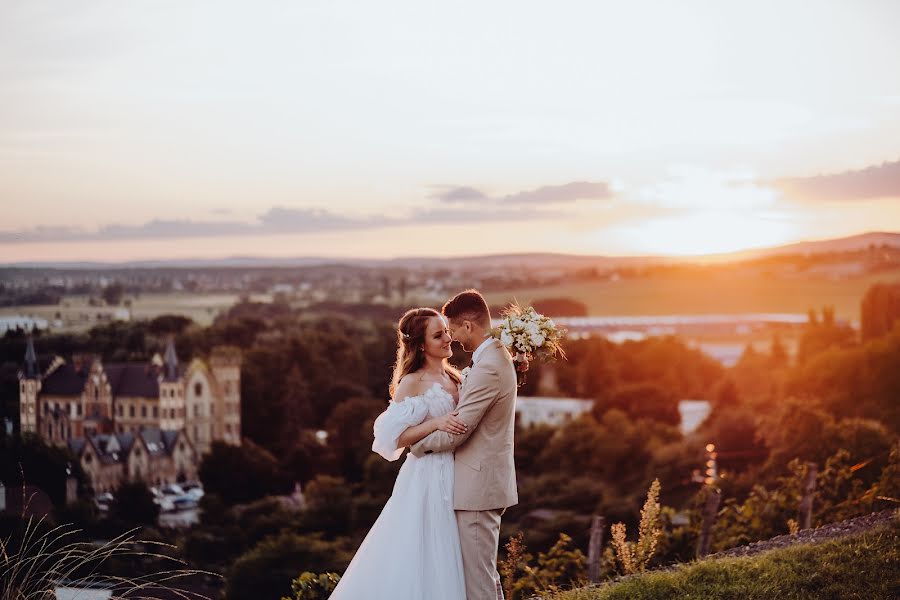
(410, 340)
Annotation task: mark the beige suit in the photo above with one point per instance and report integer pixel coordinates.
(484, 471)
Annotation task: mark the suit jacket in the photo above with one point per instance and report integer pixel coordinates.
(484, 469)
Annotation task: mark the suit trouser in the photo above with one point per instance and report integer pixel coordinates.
(479, 537)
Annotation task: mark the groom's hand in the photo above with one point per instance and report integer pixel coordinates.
(481, 392)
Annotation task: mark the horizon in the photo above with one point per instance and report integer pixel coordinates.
(724, 257)
(139, 133)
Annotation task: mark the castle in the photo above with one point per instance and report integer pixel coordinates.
(124, 421)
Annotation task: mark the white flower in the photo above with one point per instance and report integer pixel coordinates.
(506, 338)
(532, 328)
(537, 339)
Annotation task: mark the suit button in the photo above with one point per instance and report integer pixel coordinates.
(429, 451)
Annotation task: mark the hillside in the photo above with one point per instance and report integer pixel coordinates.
(864, 563)
(535, 260)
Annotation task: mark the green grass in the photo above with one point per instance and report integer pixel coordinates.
(716, 292)
(862, 566)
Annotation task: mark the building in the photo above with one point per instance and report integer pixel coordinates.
(151, 455)
(105, 412)
(535, 410)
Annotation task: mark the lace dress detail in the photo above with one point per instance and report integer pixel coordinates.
(412, 551)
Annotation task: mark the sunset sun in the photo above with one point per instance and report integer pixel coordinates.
(710, 232)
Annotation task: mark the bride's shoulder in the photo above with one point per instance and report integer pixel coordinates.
(410, 386)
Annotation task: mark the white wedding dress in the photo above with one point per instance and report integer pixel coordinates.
(412, 551)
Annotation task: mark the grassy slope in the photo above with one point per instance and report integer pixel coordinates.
(716, 293)
(866, 566)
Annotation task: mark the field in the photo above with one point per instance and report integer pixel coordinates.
(78, 314)
(716, 292)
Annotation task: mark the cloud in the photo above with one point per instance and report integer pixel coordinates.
(276, 220)
(459, 195)
(559, 194)
(551, 194)
(310, 220)
(878, 181)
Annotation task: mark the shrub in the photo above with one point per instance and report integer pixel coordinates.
(633, 557)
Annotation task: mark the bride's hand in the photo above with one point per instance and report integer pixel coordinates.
(451, 423)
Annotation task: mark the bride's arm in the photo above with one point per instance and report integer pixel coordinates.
(413, 434)
(448, 423)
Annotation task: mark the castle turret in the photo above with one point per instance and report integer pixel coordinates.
(171, 392)
(171, 361)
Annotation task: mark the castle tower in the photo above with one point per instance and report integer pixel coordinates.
(225, 364)
(96, 398)
(171, 392)
(29, 387)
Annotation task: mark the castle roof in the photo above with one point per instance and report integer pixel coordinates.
(66, 380)
(115, 448)
(137, 380)
(31, 366)
(171, 360)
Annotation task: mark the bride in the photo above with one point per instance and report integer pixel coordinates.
(412, 551)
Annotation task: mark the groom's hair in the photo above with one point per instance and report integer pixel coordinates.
(468, 306)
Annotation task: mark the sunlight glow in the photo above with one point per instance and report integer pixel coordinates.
(709, 232)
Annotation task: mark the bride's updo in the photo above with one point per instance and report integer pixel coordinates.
(410, 345)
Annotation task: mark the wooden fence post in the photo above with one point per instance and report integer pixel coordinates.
(595, 548)
(710, 510)
(809, 491)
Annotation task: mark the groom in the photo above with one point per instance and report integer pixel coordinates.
(484, 472)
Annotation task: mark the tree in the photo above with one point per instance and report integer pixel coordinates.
(330, 505)
(861, 381)
(797, 429)
(241, 473)
(266, 571)
(880, 310)
(560, 307)
(134, 504)
(296, 407)
(112, 294)
(29, 460)
(821, 335)
(168, 324)
(307, 457)
(778, 356)
(733, 431)
(350, 433)
(642, 401)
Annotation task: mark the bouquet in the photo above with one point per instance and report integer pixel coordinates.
(528, 334)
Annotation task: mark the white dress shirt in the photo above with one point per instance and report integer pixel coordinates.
(487, 341)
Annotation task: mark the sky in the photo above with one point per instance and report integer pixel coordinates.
(162, 130)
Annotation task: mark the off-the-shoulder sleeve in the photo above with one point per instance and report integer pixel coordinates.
(393, 421)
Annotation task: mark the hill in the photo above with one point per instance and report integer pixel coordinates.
(865, 564)
(534, 260)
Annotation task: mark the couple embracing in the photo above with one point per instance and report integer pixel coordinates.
(437, 536)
